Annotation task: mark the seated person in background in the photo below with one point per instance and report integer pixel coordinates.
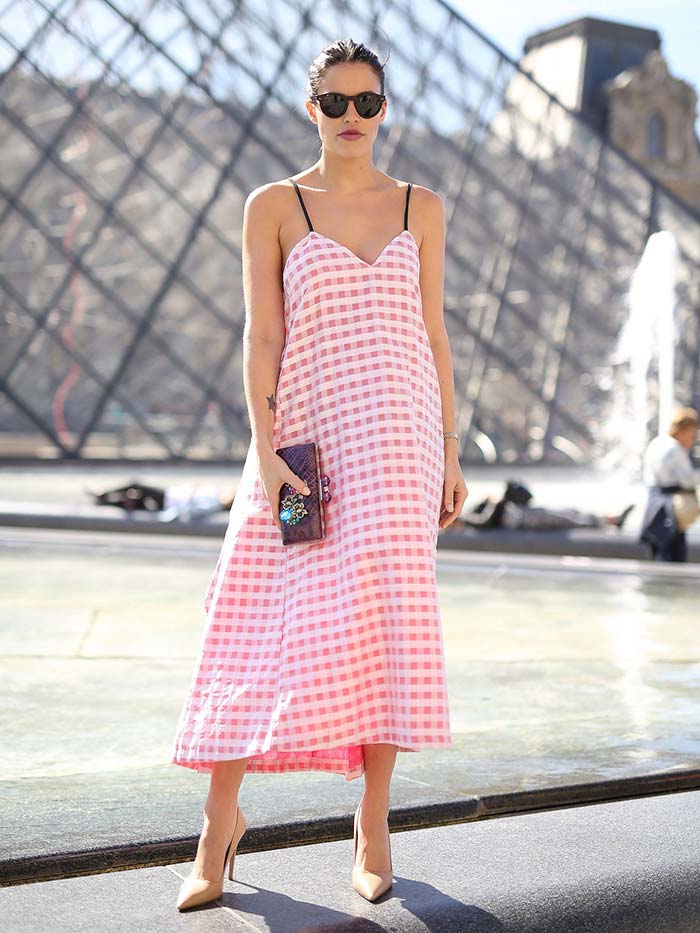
(513, 510)
(180, 501)
(668, 471)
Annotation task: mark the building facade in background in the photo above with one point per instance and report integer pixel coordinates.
(132, 136)
(615, 75)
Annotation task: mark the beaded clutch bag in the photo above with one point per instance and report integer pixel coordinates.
(303, 517)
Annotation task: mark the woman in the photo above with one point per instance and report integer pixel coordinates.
(180, 501)
(329, 655)
(513, 510)
(667, 470)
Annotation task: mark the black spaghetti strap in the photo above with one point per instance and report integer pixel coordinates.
(301, 201)
(405, 213)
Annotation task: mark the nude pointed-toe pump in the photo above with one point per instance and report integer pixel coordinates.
(370, 884)
(196, 891)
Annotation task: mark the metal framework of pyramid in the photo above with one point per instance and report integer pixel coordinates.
(132, 133)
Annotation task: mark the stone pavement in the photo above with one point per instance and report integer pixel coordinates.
(630, 866)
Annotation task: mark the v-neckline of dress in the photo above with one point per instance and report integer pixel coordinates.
(347, 249)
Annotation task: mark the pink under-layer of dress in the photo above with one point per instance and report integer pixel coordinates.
(311, 651)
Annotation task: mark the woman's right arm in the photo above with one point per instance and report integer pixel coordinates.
(264, 333)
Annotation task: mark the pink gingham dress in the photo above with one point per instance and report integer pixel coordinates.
(311, 650)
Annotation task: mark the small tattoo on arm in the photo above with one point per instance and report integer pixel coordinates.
(271, 402)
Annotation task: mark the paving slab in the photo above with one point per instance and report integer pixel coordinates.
(626, 867)
(580, 542)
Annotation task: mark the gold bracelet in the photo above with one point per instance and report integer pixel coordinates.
(447, 434)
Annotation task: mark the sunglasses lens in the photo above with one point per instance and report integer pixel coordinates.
(368, 105)
(333, 105)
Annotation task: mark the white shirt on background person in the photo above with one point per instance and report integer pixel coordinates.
(667, 463)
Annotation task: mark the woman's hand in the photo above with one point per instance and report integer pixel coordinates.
(274, 472)
(455, 491)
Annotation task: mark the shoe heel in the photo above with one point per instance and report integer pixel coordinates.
(237, 836)
(369, 884)
(354, 836)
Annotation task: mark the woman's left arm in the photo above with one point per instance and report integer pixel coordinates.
(432, 274)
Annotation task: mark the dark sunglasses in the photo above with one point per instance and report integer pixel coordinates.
(368, 103)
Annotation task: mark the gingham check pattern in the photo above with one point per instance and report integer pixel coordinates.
(311, 650)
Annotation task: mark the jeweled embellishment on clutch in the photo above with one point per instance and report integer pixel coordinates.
(325, 484)
(292, 510)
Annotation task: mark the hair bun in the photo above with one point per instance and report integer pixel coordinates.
(340, 52)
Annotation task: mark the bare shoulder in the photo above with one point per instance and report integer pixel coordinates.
(427, 201)
(427, 209)
(267, 202)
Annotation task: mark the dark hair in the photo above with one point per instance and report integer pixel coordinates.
(342, 50)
